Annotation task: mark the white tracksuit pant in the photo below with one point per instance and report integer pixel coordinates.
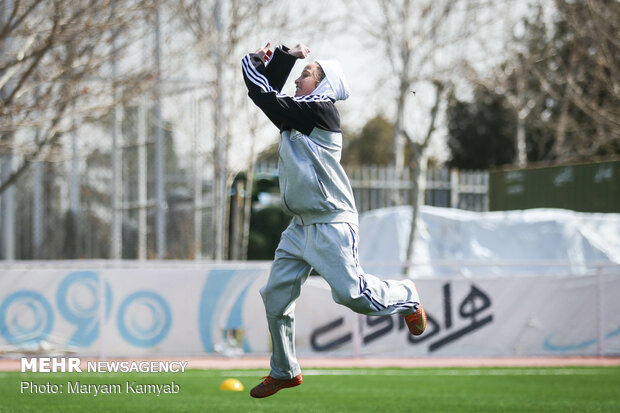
(331, 249)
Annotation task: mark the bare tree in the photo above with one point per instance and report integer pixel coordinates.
(562, 78)
(522, 101)
(255, 122)
(411, 35)
(579, 68)
(223, 31)
(218, 29)
(56, 56)
(419, 171)
(419, 41)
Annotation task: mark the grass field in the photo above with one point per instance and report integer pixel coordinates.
(567, 389)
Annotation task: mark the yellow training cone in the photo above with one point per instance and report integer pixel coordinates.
(232, 385)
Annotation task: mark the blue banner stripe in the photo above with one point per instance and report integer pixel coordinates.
(214, 287)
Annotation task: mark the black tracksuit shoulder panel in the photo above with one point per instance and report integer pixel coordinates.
(279, 67)
(302, 113)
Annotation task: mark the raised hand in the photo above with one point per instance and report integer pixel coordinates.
(265, 52)
(300, 51)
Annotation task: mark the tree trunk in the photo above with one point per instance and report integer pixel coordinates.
(419, 176)
(418, 188)
(560, 137)
(247, 207)
(521, 152)
(398, 142)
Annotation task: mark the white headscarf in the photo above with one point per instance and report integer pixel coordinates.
(334, 85)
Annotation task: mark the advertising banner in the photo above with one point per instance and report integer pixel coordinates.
(133, 312)
(217, 309)
(485, 317)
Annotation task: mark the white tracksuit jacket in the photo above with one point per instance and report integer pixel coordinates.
(313, 185)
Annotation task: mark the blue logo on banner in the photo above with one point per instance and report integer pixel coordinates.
(212, 301)
(144, 319)
(77, 299)
(26, 317)
(549, 345)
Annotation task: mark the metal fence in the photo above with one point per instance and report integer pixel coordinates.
(381, 186)
(63, 208)
(49, 227)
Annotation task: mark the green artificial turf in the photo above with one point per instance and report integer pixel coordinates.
(578, 389)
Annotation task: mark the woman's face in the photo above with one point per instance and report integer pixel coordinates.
(307, 82)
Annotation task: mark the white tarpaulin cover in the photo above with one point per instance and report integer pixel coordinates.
(452, 241)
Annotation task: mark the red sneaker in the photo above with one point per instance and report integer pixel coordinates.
(416, 321)
(270, 386)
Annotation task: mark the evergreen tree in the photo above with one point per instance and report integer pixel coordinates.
(481, 133)
(372, 146)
